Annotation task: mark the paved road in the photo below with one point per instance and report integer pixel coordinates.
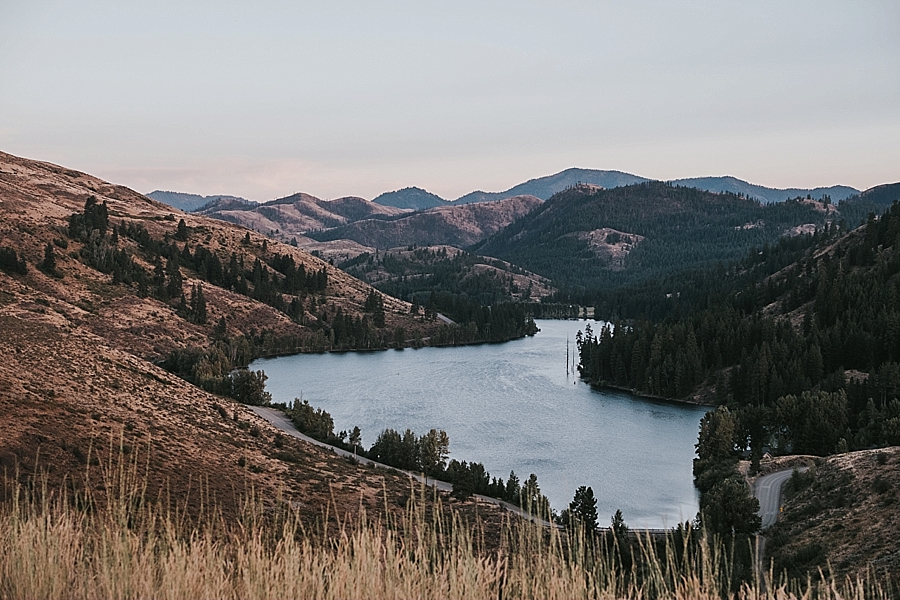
(767, 490)
(445, 319)
(280, 421)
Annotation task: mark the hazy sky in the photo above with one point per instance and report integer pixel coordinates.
(261, 99)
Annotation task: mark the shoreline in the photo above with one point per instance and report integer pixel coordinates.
(386, 348)
(645, 396)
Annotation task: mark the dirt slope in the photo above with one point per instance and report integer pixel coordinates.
(451, 225)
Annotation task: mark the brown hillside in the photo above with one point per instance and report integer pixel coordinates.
(293, 216)
(78, 372)
(451, 225)
(37, 198)
(842, 515)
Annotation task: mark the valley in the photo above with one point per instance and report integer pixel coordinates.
(141, 333)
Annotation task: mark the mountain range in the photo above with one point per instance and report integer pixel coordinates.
(414, 198)
(595, 238)
(545, 187)
(295, 215)
(458, 226)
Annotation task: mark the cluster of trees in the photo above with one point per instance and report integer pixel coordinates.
(427, 454)
(375, 304)
(101, 250)
(726, 505)
(422, 270)
(11, 262)
(349, 332)
(423, 454)
(479, 322)
(556, 310)
(267, 285)
(220, 369)
(777, 342)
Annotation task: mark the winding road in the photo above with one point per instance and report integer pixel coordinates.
(767, 490)
(280, 421)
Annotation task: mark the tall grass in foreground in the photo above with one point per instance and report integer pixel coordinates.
(52, 547)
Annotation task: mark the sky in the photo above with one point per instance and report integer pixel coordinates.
(266, 98)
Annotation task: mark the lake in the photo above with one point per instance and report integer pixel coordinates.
(512, 406)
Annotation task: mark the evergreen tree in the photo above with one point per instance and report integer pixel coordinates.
(181, 234)
(583, 509)
(198, 305)
(48, 265)
(10, 262)
(174, 280)
(355, 439)
(434, 449)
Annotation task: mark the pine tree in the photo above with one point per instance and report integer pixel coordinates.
(48, 265)
(583, 509)
(174, 283)
(198, 305)
(181, 234)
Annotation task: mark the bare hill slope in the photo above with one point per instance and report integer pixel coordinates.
(293, 216)
(448, 225)
(80, 380)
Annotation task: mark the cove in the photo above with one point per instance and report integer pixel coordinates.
(512, 406)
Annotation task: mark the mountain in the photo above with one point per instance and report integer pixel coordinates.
(449, 225)
(411, 198)
(101, 287)
(545, 187)
(191, 202)
(587, 237)
(764, 194)
(881, 195)
(293, 216)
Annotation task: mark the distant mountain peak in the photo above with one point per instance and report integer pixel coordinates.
(193, 202)
(410, 198)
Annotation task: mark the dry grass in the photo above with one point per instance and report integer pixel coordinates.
(59, 546)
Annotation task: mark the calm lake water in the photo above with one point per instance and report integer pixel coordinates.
(512, 406)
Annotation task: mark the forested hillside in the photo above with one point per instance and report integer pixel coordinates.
(801, 341)
(414, 271)
(665, 229)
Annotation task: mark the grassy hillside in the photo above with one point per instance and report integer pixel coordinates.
(85, 335)
(841, 517)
